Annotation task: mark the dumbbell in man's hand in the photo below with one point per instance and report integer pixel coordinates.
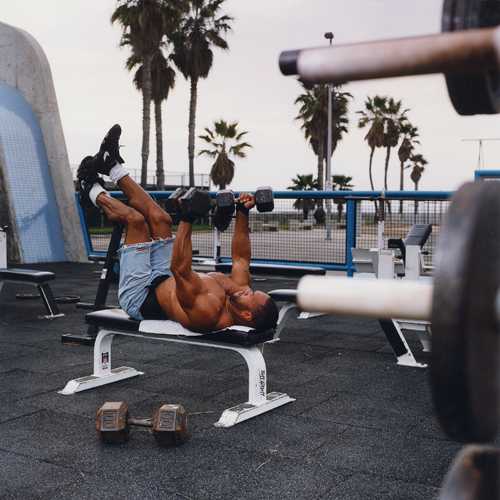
(226, 203)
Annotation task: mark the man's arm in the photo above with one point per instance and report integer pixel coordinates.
(197, 303)
(240, 244)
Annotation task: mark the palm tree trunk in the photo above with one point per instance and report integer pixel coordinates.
(370, 168)
(416, 205)
(386, 169)
(371, 178)
(401, 186)
(146, 117)
(321, 165)
(160, 174)
(387, 156)
(192, 125)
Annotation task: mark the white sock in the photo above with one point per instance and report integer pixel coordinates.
(95, 191)
(117, 172)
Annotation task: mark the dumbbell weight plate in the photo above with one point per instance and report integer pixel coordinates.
(172, 202)
(473, 93)
(170, 425)
(196, 202)
(112, 423)
(264, 199)
(221, 220)
(465, 365)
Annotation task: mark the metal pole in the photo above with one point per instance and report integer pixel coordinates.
(328, 176)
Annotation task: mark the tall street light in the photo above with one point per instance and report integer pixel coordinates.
(328, 180)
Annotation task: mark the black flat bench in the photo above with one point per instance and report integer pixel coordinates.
(245, 341)
(117, 318)
(274, 270)
(38, 278)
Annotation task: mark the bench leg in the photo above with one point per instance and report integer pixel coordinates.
(284, 313)
(425, 338)
(103, 373)
(399, 345)
(258, 400)
(49, 301)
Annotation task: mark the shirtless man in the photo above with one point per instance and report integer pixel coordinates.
(156, 277)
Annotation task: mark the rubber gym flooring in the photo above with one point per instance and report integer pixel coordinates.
(361, 427)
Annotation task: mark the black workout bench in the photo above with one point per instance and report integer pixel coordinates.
(246, 341)
(38, 278)
(277, 271)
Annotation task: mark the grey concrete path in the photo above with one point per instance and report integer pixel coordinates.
(361, 426)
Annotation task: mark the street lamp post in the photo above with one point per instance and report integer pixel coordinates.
(328, 180)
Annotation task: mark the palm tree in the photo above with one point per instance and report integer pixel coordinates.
(418, 166)
(222, 172)
(200, 29)
(393, 120)
(373, 116)
(409, 133)
(341, 183)
(163, 80)
(314, 114)
(144, 23)
(304, 183)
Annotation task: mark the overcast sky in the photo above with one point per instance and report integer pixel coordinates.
(94, 90)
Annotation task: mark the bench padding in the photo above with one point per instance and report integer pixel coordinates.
(284, 295)
(117, 318)
(26, 275)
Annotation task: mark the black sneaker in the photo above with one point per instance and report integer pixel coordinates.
(109, 152)
(86, 179)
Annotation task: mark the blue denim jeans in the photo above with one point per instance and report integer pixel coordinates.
(140, 264)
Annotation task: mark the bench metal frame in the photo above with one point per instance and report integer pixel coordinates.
(259, 400)
(28, 277)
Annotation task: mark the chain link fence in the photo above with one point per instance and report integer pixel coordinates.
(308, 227)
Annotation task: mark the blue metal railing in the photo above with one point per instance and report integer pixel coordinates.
(353, 202)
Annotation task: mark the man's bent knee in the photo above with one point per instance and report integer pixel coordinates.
(160, 218)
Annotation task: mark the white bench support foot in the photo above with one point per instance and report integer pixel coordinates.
(239, 413)
(84, 383)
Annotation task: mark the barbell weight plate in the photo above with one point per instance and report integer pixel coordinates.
(473, 474)
(479, 92)
(464, 367)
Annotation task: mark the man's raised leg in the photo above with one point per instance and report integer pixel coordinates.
(109, 162)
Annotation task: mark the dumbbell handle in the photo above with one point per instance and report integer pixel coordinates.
(377, 298)
(463, 51)
(139, 423)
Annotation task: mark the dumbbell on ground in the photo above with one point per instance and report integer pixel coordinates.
(225, 204)
(169, 424)
(463, 306)
(195, 202)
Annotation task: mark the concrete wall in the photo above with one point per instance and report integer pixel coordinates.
(24, 66)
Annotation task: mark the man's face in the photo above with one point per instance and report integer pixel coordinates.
(247, 299)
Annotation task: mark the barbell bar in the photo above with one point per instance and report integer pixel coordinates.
(467, 52)
(382, 299)
(462, 304)
(454, 52)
